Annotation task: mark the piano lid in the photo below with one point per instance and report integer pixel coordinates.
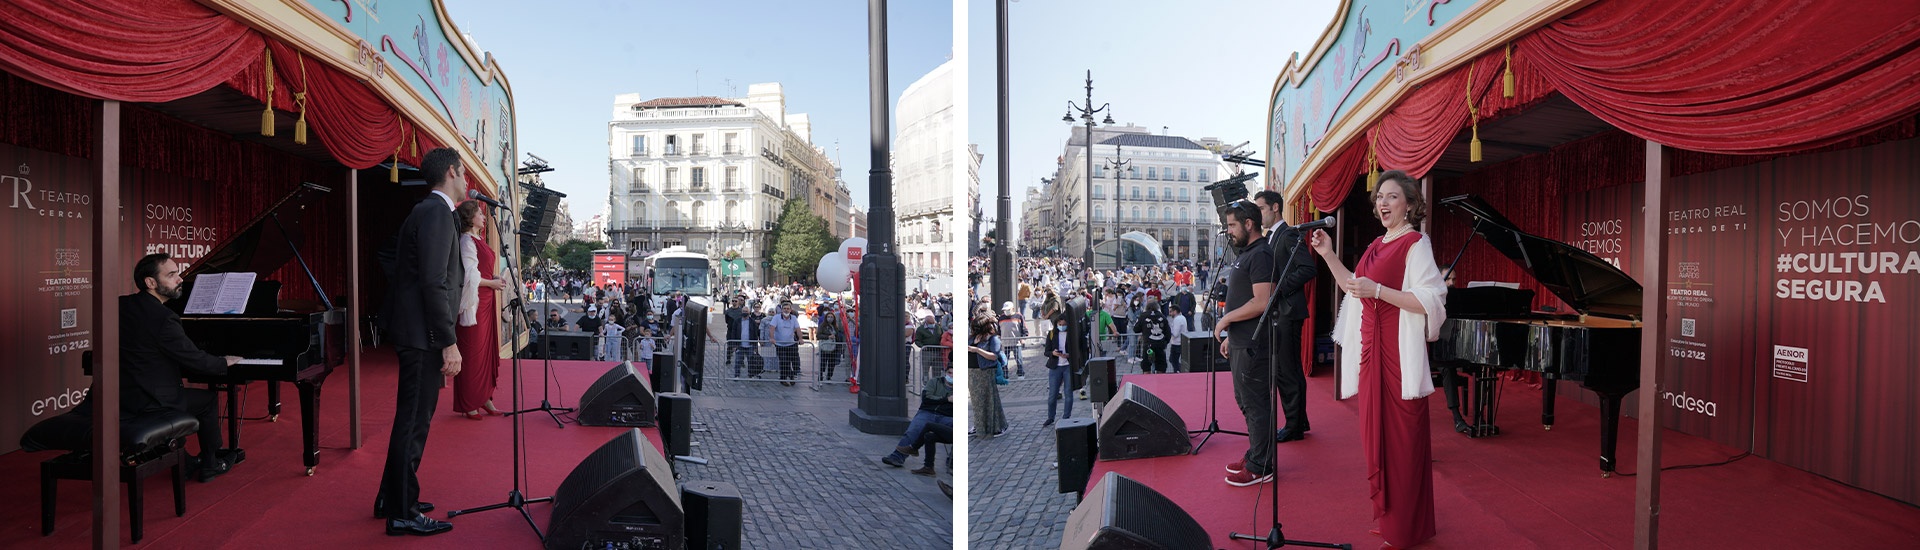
(267, 242)
(1582, 280)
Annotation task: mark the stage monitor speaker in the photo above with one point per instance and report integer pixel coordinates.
(693, 354)
(619, 398)
(1203, 353)
(715, 515)
(1140, 425)
(1101, 379)
(676, 423)
(569, 345)
(1123, 514)
(1074, 446)
(621, 496)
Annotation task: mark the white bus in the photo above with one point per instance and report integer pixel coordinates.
(677, 270)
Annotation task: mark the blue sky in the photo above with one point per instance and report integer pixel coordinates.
(567, 59)
(1199, 68)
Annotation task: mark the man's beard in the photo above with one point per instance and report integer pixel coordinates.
(171, 292)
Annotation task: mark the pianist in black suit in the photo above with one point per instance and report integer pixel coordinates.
(418, 317)
(1288, 321)
(155, 353)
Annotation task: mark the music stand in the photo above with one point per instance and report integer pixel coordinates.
(1213, 374)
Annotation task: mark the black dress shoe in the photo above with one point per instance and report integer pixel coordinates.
(1461, 426)
(418, 526)
(380, 511)
(1287, 434)
(212, 468)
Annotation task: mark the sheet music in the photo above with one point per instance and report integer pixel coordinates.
(220, 293)
(1478, 284)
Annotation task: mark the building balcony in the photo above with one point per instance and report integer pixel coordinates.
(639, 189)
(730, 151)
(637, 153)
(699, 152)
(733, 187)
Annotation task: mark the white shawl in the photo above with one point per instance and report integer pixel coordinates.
(470, 289)
(1423, 280)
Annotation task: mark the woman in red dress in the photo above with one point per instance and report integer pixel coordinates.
(477, 333)
(1395, 304)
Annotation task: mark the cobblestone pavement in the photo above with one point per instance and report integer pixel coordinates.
(809, 479)
(1011, 497)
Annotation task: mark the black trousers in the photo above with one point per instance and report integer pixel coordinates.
(412, 415)
(1253, 391)
(789, 361)
(1291, 380)
(204, 405)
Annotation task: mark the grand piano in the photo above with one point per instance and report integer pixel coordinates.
(1493, 328)
(279, 341)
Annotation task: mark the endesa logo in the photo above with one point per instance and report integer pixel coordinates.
(1682, 402)
(60, 400)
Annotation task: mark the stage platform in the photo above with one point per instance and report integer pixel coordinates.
(1526, 488)
(269, 502)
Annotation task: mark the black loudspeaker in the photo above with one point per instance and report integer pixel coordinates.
(1074, 446)
(1203, 353)
(1077, 348)
(619, 398)
(1139, 425)
(657, 367)
(693, 353)
(676, 423)
(715, 515)
(1123, 514)
(621, 496)
(1101, 379)
(570, 345)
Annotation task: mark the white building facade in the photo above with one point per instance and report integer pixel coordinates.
(923, 175)
(708, 173)
(1159, 190)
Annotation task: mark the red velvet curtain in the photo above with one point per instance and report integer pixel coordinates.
(356, 125)
(1413, 135)
(1331, 185)
(1736, 76)
(128, 50)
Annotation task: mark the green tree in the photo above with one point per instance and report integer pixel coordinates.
(575, 255)
(798, 241)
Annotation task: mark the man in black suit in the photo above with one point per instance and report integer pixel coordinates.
(1291, 283)
(422, 295)
(155, 353)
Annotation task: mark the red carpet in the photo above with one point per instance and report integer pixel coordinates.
(269, 502)
(1526, 488)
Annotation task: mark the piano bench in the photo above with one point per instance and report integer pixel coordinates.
(152, 444)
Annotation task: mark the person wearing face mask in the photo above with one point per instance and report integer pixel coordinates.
(936, 410)
(1059, 370)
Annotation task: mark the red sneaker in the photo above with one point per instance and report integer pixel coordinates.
(1246, 478)
(1237, 466)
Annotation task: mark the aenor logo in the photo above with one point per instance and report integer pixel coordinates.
(1682, 402)
(62, 400)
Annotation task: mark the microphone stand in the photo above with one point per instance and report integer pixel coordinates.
(515, 498)
(1275, 538)
(1213, 374)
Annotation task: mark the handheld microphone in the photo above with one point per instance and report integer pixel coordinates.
(475, 195)
(1323, 223)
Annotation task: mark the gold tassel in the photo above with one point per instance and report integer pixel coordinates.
(416, 145)
(1473, 148)
(300, 100)
(1506, 78)
(266, 117)
(1373, 164)
(393, 174)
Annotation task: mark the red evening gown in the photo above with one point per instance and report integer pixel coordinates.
(1395, 431)
(479, 345)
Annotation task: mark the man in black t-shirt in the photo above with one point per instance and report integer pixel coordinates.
(1249, 283)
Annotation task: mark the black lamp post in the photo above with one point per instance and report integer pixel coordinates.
(882, 405)
(1002, 251)
(1086, 115)
(1119, 166)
